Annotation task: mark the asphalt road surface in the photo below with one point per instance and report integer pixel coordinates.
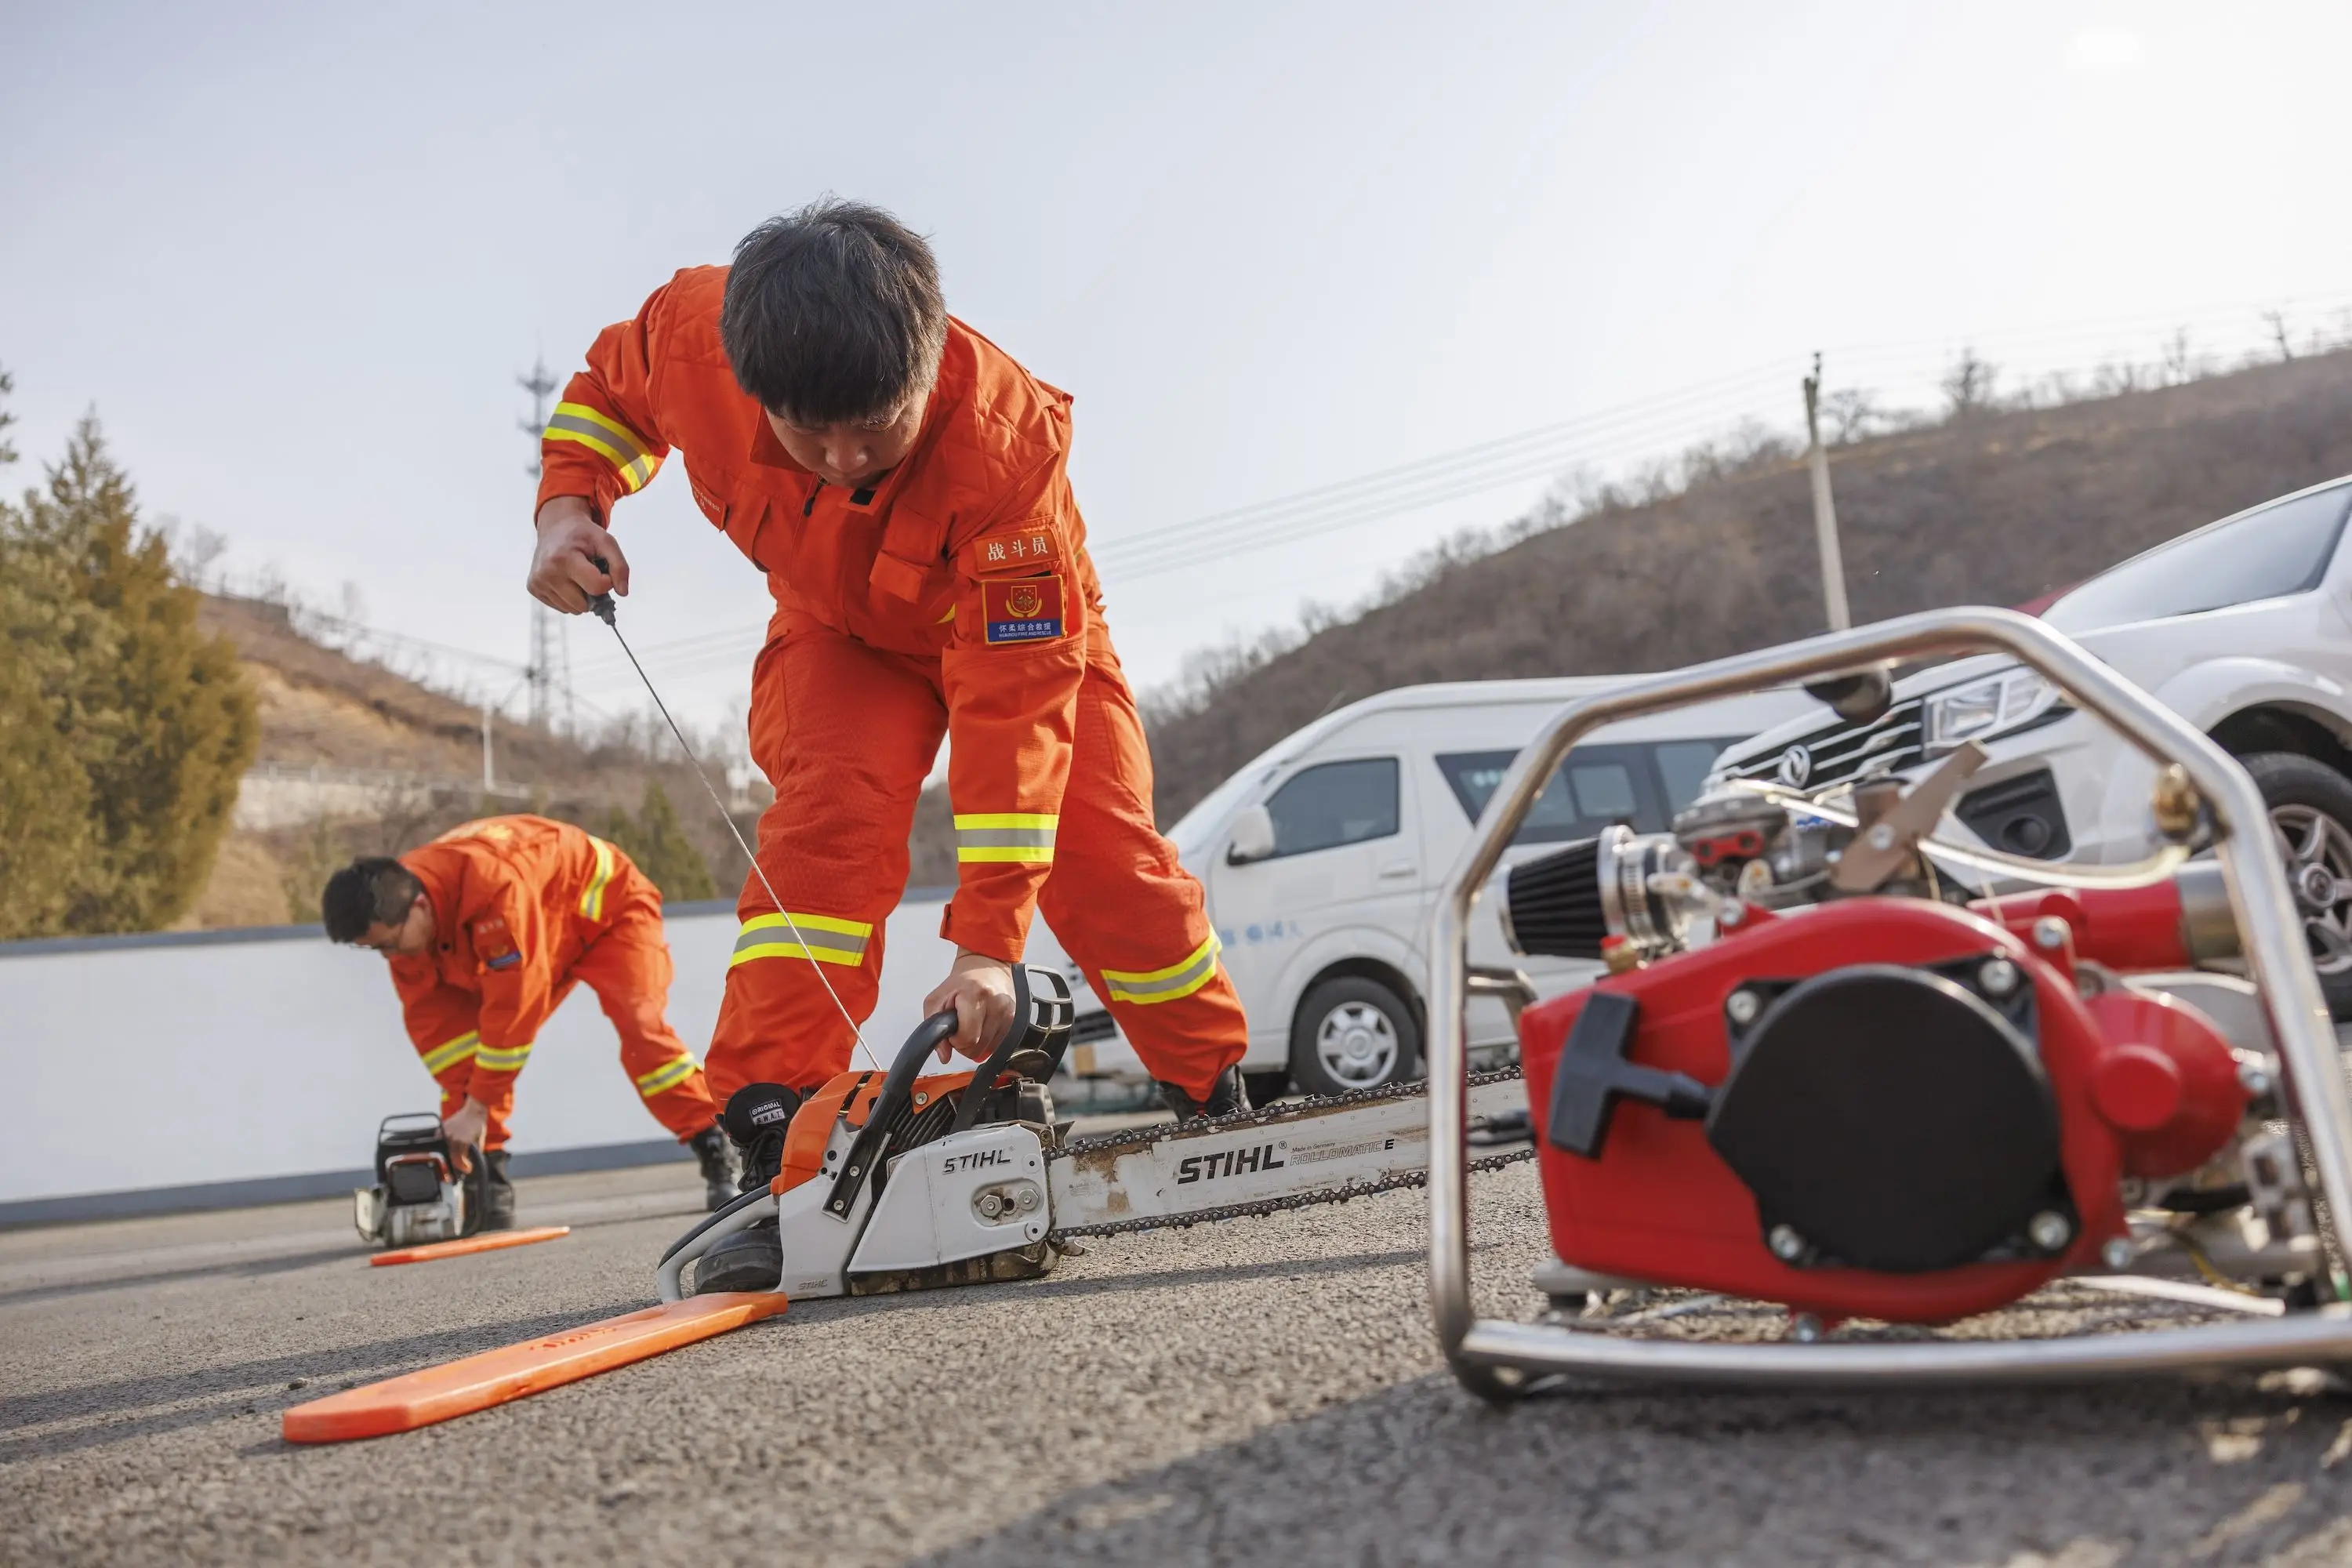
(1263, 1390)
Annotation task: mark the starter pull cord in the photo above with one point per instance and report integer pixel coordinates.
(603, 606)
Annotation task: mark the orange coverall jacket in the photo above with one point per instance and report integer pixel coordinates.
(971, 550)
(515, 901)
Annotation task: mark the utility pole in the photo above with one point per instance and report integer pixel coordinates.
(1826, 529)
(538, 384)
(490, 779)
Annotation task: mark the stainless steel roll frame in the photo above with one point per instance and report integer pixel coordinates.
(1497, 1359)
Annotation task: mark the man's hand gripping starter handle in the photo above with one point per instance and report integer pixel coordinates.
(465, 1127)
(979, 989)
(575, 559)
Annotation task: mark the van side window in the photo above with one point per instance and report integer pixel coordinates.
(1334, 803)
(1641, 784)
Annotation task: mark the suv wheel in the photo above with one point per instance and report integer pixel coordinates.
(2310, 818)
(1353, 1033)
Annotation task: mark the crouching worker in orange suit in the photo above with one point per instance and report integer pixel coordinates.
(487, 929)
(904, 485)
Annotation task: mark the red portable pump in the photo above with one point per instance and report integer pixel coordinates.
(1884, 1107)
(1843, 1064)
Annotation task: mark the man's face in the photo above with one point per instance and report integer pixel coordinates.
(409, 938)
(854, 452)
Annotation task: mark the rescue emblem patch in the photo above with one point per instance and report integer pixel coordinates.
(1021, 549)
(493, 944)
(1027, 609)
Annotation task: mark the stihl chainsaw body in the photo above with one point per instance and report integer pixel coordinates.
(899, 1182)
(419, 1196)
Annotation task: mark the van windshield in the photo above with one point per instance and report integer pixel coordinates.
(1641, 784)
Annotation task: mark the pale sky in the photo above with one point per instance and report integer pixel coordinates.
(296, 256)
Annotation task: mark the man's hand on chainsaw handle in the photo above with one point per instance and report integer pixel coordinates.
(464, 1127)
(979, 989)
(564, 570)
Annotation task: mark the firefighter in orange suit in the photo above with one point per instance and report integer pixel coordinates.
(903, 483)
(487, 929)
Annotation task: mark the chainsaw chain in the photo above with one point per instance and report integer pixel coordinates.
(1144, 1137)
(1401, 1180)
(1259, 1117)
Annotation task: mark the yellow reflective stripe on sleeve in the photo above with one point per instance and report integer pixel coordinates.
(508, 1058)
(1016, 835)
(591, 902)
(442, 1058)
(827, 939)
(608, 438)
(1166, 984)
(667, 1076)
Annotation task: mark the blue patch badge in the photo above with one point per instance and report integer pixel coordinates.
(506, 960)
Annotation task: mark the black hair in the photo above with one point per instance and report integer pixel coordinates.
(833, 314)
(371, 892)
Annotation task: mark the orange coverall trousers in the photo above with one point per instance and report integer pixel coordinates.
(845, 733)
(628, 967)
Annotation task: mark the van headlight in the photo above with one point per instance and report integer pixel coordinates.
(1993, 706)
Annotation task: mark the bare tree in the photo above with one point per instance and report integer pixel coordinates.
(2179, 364)
(2277, 321)
(1969, 386)
(1852, 414)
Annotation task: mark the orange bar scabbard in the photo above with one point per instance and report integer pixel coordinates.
(496, 1377)
(489, 1242)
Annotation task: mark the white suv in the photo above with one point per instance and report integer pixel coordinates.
(2244, 628)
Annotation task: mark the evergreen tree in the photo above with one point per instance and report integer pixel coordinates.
(129, 729)
(657, 841)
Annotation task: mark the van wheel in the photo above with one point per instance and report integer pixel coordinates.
(1353, 1033)
(2311, 821)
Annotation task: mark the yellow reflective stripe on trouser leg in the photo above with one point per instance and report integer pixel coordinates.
(608, 438)
(1169, 983)
(1017, 836)
(667, 1076)
(442, 1058)
(591, 902)
(507, 1059)
(824, 938)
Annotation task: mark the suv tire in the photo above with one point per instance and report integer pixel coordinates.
(1353, 1033)
(2311, 817)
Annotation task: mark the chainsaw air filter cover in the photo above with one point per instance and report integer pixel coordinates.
(1894, 1118)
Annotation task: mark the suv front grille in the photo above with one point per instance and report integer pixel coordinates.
(1843, 753)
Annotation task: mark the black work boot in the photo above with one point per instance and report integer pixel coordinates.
(716, 1155)
(756, 1119)
(1228, 1095)
(497, 1192)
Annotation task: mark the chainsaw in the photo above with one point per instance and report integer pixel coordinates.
(1829, 1074)
(899, 1181)
(419, 1196)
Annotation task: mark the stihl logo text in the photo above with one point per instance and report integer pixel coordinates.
(1232, 1162)
(978, 1159)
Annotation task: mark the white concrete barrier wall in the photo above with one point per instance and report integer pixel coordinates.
(177, 1061)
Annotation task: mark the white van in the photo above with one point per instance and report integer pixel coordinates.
(1323, 859)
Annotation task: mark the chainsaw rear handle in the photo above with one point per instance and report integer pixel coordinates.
(1495, 1359)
